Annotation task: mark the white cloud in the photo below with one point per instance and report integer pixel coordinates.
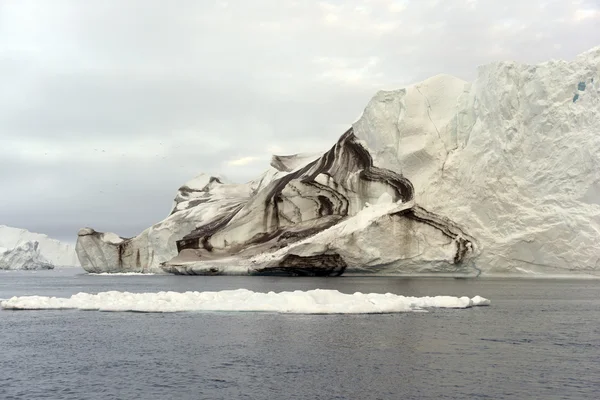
(242, 161)
(584, 14)
(275, 149)
(349, 71)
(397, 6)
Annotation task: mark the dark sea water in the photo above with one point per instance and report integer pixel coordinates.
(540, 339)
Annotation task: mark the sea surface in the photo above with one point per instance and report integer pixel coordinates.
(540, 339)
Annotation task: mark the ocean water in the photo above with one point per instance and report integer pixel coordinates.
(540, 339)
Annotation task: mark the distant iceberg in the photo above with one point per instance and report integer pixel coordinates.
(24, 256)
(297, 302)
(24, 250)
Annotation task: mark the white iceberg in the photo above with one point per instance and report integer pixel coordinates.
(297, 302)
(21, 249)
(26, 256)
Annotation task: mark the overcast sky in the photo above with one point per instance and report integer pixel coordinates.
(107, 107)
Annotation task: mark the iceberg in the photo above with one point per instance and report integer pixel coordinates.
(496, 176)
(316, 301)
(21, 249)
(25, 256)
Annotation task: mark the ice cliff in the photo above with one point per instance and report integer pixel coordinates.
(501, 175)
(21, 249)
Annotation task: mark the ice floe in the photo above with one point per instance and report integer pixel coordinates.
(316, 301)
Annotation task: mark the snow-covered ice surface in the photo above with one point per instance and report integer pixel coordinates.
(21, 249)
(297, 302)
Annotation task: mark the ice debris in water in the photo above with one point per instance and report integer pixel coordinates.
(121, 273)
(299, 302)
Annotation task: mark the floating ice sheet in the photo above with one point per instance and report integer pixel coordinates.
(299, 302)
(121, 273)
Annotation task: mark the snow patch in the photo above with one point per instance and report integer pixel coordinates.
(297, 302)
(112, 238)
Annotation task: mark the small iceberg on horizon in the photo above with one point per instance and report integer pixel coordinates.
(316, 301)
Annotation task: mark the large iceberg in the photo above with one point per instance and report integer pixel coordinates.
(21, 249)
(501, 175)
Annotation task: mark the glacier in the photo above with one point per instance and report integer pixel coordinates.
(316, 301)
(21, 249)
(496, 176)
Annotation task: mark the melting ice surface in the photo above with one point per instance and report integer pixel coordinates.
(299, 302)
